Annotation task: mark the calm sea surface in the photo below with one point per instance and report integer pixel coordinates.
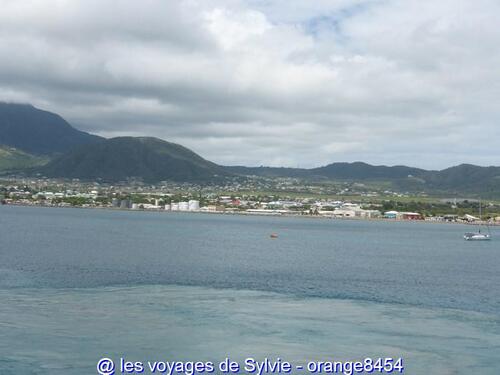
(77, 285)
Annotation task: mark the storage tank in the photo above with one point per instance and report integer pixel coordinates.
(167, 207)
(183, 206)
(125, 203)
(174, 207)
(194, 205)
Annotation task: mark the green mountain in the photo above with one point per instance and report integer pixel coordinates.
(38, 132)
(30, 137)
(14, 159)
(270, 172)
(464, 178)
(363, 171)
(461, 179)
(334, 171)
(150, 159)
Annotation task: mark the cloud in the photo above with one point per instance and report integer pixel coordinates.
(295, 82)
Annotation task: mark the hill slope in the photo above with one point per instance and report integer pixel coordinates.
(38, 132)
(117, 159)
(464, 178)
(14, 159)
(363, 171)
(335, 171)
(270, 172)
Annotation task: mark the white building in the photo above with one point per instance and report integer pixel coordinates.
(344, 212)
(368, 214)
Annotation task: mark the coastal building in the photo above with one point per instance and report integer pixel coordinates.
(216, 207)
(210, 208)
(148, 206)
(403, 215)
(391, 214)
(470, 218)
(411, 216)
(344, 212)
(224, 199)
(263, 211)
(367, 214)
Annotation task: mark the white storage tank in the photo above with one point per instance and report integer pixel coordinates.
(174, 207)
(183, 206)
(167, 207)
(194, 205)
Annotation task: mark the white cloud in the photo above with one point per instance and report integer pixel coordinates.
(267, 82)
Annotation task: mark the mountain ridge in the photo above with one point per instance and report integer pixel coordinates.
(38, 132)
(120, 158)
(30, 137)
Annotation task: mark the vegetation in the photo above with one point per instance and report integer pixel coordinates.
(456, 181)
(149, 159)
(38, 132)
(27, 132)
(12, 159)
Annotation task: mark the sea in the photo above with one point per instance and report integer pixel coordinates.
(80, 285)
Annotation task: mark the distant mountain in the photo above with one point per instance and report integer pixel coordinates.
(30, 137)
(464, 178)
(363, 171)
(335, 171)
(150, 159)
(38, 132)
(270, 172)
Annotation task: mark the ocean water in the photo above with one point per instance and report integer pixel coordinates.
(77, 285)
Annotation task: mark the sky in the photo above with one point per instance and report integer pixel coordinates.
(296, 83)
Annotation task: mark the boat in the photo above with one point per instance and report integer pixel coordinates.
(274, 235)
(471, 236)
(478, 236)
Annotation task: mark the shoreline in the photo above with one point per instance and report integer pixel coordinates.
(261, 214)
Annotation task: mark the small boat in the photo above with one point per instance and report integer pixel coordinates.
(478, 236)
(274, 235)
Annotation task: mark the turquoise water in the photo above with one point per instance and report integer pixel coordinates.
(77, 285)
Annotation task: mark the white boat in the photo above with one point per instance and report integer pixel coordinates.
(470, 236)
(478, 236)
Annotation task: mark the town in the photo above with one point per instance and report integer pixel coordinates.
(286, 197)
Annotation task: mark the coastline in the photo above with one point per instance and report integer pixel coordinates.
(262, 214)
